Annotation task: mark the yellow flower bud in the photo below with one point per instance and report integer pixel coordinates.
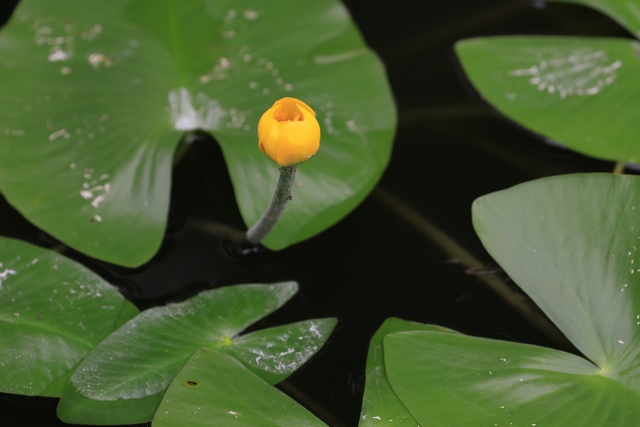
(288, 132)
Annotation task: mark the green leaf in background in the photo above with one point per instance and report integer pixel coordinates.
(625, 12)
(380, 405)
(571, 243)
(52, 312)
(131, 369)
(98, 94)
(457, 380)
(214, 389)
(580, 92)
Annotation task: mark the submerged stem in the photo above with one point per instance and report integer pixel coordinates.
(221, 231)
(618, 168)
(270, 217)
(519, 302)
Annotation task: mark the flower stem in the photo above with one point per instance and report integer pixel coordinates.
(270, 217)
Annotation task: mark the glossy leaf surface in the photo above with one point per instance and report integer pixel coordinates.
(125, 376)
(451, 379)
(571, 243)
(101, 92)
(625, 12)
(275, 353)
(52, 312)
(74, 408)
(580, 92)
(380, 405)
(214, 389)
(160, 340)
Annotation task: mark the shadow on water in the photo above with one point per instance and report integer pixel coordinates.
(449, 150)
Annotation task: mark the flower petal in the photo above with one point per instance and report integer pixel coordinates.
(289, 132)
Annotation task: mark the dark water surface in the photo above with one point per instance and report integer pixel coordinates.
(449, 150)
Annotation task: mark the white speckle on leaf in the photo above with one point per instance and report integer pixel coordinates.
(98, 59)
(58, 55)
(4, 274)
(583, 72)
(231, 14)
(250, 14)
(204, 113)
(59, 133)
(91, 33)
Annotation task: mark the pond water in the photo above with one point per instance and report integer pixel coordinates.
(450, 149)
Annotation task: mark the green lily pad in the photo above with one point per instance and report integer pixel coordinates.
(214, 389)
(101, 92)
(625, 12)
(123, 379)
(272, 354)
(52, 312)
(74, 408)
(571, 243)
(380, 405)
(160, 340)
(580, 92)
(451, 379)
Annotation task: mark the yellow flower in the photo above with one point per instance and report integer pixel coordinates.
(288, 132)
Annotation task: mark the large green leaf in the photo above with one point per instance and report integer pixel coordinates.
(122, 380)
(380, 405)
(97, 95)
(571, 243)
(273, 354)
(214, 389)
(580, 92)
(455, 380)
(160, 340)
(52, 312)
(625, 12)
